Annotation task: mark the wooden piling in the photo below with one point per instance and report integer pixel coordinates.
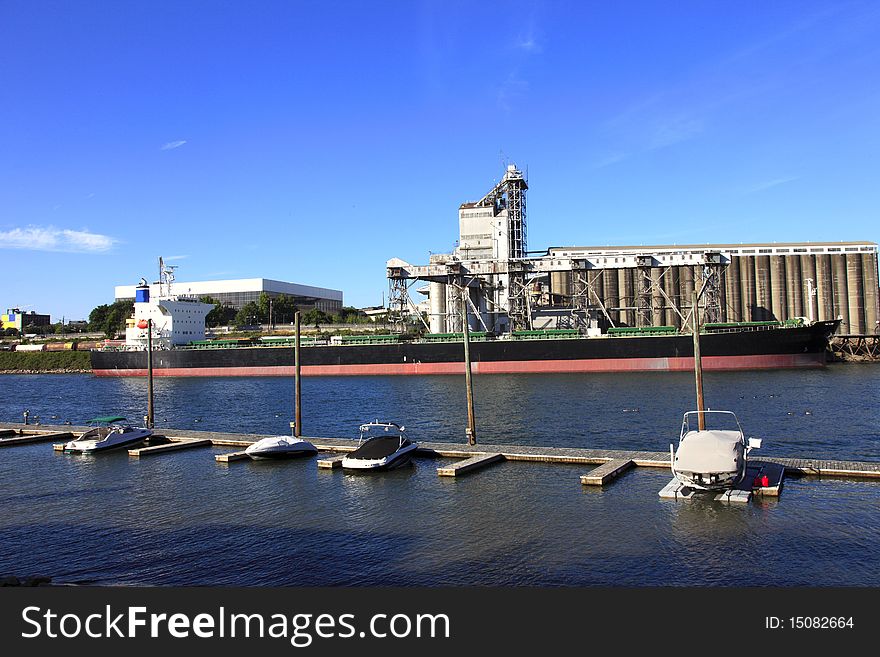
(150, 415)
(468, 379)
(297, 405)
(698, 363)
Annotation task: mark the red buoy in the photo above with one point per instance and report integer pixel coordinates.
(142, 323)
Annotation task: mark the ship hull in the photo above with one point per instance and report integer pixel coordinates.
(802, 347)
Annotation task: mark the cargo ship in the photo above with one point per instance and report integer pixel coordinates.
(757, 345)
(173, 327)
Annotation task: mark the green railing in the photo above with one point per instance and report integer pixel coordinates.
(623, 331)
(476, 336)
(542, 334)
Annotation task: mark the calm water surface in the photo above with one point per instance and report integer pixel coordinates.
(183, 519)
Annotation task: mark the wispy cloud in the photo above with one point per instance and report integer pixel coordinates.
(510, 90)
(36, 238)
(673, 131)
(528, 42)
(649, 134)
(174, 257)
(171, 145)
(769, 184)
(608, 160)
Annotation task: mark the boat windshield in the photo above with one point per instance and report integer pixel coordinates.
(714, 420)
(383, 429)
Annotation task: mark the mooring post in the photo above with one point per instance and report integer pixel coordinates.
(297, 404)
(149, 374)
(698, 364)
(471, 430)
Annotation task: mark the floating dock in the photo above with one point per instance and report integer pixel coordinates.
(606, 472)
(331, 463)
(230, 457)
(611, 463)
(761, 479)
(469, 465)
(35, 438)
(175, 445)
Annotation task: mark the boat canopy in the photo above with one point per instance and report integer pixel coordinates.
(108, 419)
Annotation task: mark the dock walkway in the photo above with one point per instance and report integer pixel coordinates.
(532, 453)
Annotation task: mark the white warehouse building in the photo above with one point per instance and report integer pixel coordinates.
(239, 292)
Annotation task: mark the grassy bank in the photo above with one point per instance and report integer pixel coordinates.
(44, 361)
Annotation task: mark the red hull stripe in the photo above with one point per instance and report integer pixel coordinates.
(718, 363)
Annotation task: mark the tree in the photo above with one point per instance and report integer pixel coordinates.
(110, 319)
(283, 308)
(221, 315)
(316, 317)
(248, 315)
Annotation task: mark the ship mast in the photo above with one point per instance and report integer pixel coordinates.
(166, 277)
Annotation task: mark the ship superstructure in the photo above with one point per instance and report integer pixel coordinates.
(177, 319)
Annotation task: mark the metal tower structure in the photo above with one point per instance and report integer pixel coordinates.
(645, 302)
(510, 194)
(711, 291)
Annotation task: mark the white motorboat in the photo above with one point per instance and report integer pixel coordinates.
(109, 432)
(711, 459)
(281, 447)
(382, 446)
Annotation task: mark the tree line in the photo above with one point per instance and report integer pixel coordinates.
(110, 318)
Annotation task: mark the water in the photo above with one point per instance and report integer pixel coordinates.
(183, 519)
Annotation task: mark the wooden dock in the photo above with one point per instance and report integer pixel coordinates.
(231, 457)
(36, 438)
(469, 465)
(762, 479)
(612, 463)
(175, 445)
(331, 463)
(606, 472)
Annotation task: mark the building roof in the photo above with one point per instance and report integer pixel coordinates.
(647, 248)
(197, 288)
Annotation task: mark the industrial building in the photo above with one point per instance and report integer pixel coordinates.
(14, 318)
(491, 275)
(239, 292)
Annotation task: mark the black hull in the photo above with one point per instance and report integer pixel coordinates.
(732, 350)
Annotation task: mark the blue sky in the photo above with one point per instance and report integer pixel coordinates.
(312, 141)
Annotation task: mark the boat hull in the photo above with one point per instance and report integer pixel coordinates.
(396, 459)
(802, 347)
(72, 448)
(281, 455)
(280, 448)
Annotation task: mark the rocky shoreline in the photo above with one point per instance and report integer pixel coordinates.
(53, 371)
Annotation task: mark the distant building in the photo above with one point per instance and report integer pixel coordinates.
(14, 318)
(375, 313)
(237, 293)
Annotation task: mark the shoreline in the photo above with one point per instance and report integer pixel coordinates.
(51, 371)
